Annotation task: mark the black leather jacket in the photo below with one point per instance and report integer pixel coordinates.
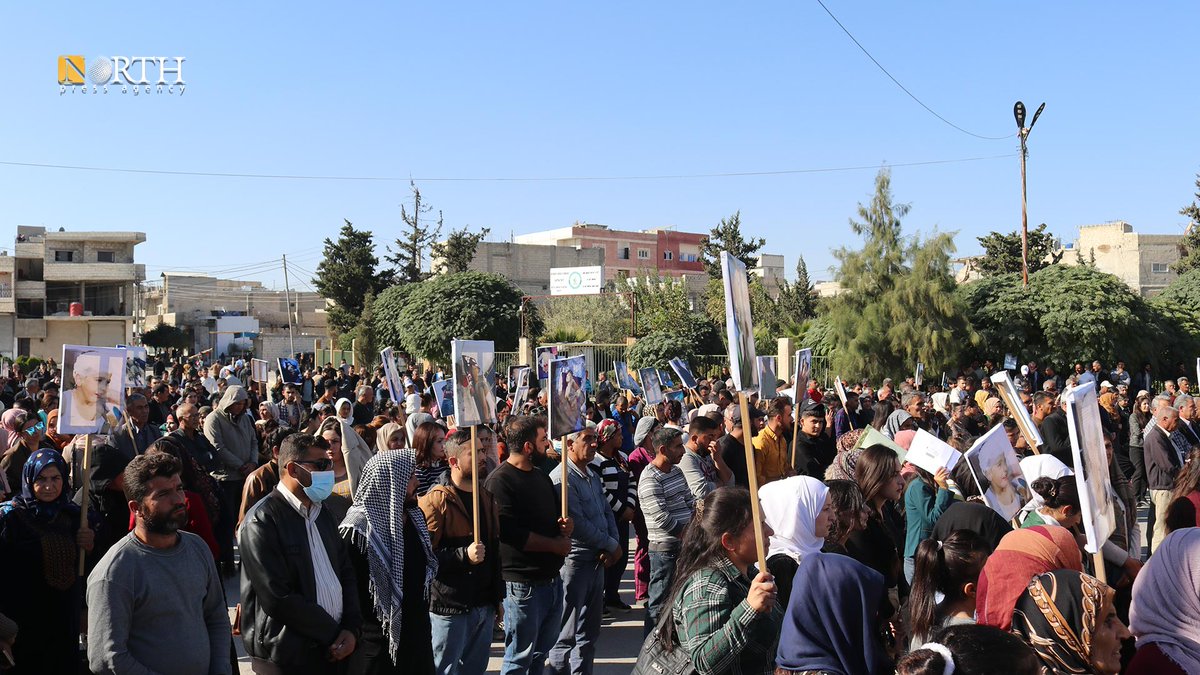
(281, 620)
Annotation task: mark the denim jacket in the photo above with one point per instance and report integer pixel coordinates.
(595, 528)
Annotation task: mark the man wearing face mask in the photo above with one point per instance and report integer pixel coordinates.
(300, 609)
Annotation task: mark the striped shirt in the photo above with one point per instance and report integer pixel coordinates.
(428, 476)
(667, 505)
(619, 487)
(329, 587)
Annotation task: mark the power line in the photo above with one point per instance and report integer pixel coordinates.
(902, 87)
(542, 179)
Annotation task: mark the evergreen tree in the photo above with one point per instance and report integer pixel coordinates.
(1002, 252)
(410, 248)
(727, 236)
(797, 301)
(348, 273)
(1189, 248)
(899, 305)
(456, 253)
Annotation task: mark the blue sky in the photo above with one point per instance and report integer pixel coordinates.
(551, 89)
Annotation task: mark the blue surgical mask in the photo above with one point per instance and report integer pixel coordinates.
(322, 486)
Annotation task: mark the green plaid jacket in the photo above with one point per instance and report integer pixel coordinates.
(718, 628)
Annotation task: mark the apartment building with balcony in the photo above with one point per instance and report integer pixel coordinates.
(60, 287)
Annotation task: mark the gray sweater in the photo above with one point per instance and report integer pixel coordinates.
(157, 610)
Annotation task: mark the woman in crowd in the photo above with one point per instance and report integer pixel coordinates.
(610, 464)
(898, 421)
(39, 552)
(950, 568)
(24, 431)
(355, 450)
(848, 515)
(727, 622)
(389, 437)
(925, 500)
(1187, 482)
(46, 402)
(1021, 555)
(394, 565)
(1070, 621)
(1139, 419)
(882, 411)
(339, 501)
(973, 516)
(797, 510)
(53, 438)
(847, 456)
(971, 650)
(1165, 614)
(1060, 503)
(877, 473)
(427, 443)
(833, 624)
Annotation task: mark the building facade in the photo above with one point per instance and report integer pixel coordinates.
(68, 288)
(662, 251)
(1143, 261)
(226, 315)
(528, 266)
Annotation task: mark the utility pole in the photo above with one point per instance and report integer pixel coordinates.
(287, 297)
(1023, 134)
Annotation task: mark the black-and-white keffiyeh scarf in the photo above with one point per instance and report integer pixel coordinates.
(376, 525)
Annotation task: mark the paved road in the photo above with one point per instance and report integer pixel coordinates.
(620, 637)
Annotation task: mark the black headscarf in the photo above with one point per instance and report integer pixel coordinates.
(978, 518)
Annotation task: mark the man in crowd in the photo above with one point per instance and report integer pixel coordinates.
(469, 588)
(814, 448)
(160, 406)
(263, 480)
(134, 434)
(1186, 405)
(667, 504)
(732, 446)
(231, 432)
(534, 542)
(847, 418)
(770, 445)
(594, 547)
(155, 601)
(1162, 464)
(701, 465)
(300, 611)
(291, 410)
(1052, 423)
(1119, 376)
(364, 404)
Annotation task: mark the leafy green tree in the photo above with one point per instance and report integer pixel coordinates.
(165, 336)
(727, 236)
(664, 307)
(1002, 252)
(457, 251)
(463, 306)
(385, 319)
(347, 273)
(657, 349)
(417, 236)
(1068, 314)
(1189, 248)
(899, 305)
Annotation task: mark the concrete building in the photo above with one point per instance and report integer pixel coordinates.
(68, 288)
(1141, 260)
(770, 272)
(228, 314)
(664, 251)
(528, 265)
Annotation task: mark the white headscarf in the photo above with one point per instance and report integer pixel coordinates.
(791, 506)
(1040, 466)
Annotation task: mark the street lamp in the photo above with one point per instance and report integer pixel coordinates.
(1023, 134)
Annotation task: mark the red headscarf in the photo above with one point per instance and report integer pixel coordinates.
(1020, 556)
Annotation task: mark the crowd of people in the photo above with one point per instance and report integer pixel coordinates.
(370, 534)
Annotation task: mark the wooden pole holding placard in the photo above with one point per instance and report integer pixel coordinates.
(85, 463)
(752, 478)
(474, 486)
(1098, 561)
(564, 479)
